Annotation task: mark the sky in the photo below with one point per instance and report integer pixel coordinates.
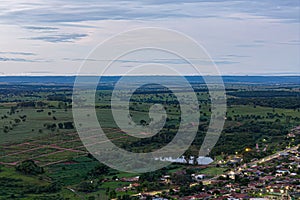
(257, 37)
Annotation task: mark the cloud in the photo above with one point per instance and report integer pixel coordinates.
(14, 59)
(79, 11)
(253, 45)
(40, 28)
(225, 62)
(29, 57)
(39, 72)
(260, 41)
(171, 61)
(3, 59)
(291, 42)
(60, 37)
(18, 53)
(90, 10)
(234, 29)
(235, 56)
(80, 59)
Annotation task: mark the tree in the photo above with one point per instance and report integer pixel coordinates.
(143, 122)
(125, 197)
(181, 179)
(87, 187)
(29, 168)
(68, 125)
(151, 176)
(112, 194)
(60, 125)
(99, 170)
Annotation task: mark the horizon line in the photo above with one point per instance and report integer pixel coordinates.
(91, 75)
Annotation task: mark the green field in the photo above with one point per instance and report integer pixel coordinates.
(45, 133)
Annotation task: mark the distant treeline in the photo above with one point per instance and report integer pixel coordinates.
(279, 102)
(269, 94)
(113, 79)
(59, 97)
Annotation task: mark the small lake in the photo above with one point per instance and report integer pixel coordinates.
(200, 160)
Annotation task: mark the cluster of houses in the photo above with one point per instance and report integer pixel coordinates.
(132, 186)
(275, 179)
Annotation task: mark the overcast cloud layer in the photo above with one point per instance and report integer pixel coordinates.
(259, 37)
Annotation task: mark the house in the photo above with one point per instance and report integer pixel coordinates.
(133, 179)
(284, 154)
(239, 196)
(200, 196)
(235, 160)
(232, 175)
(198, 177)
(282, 172)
